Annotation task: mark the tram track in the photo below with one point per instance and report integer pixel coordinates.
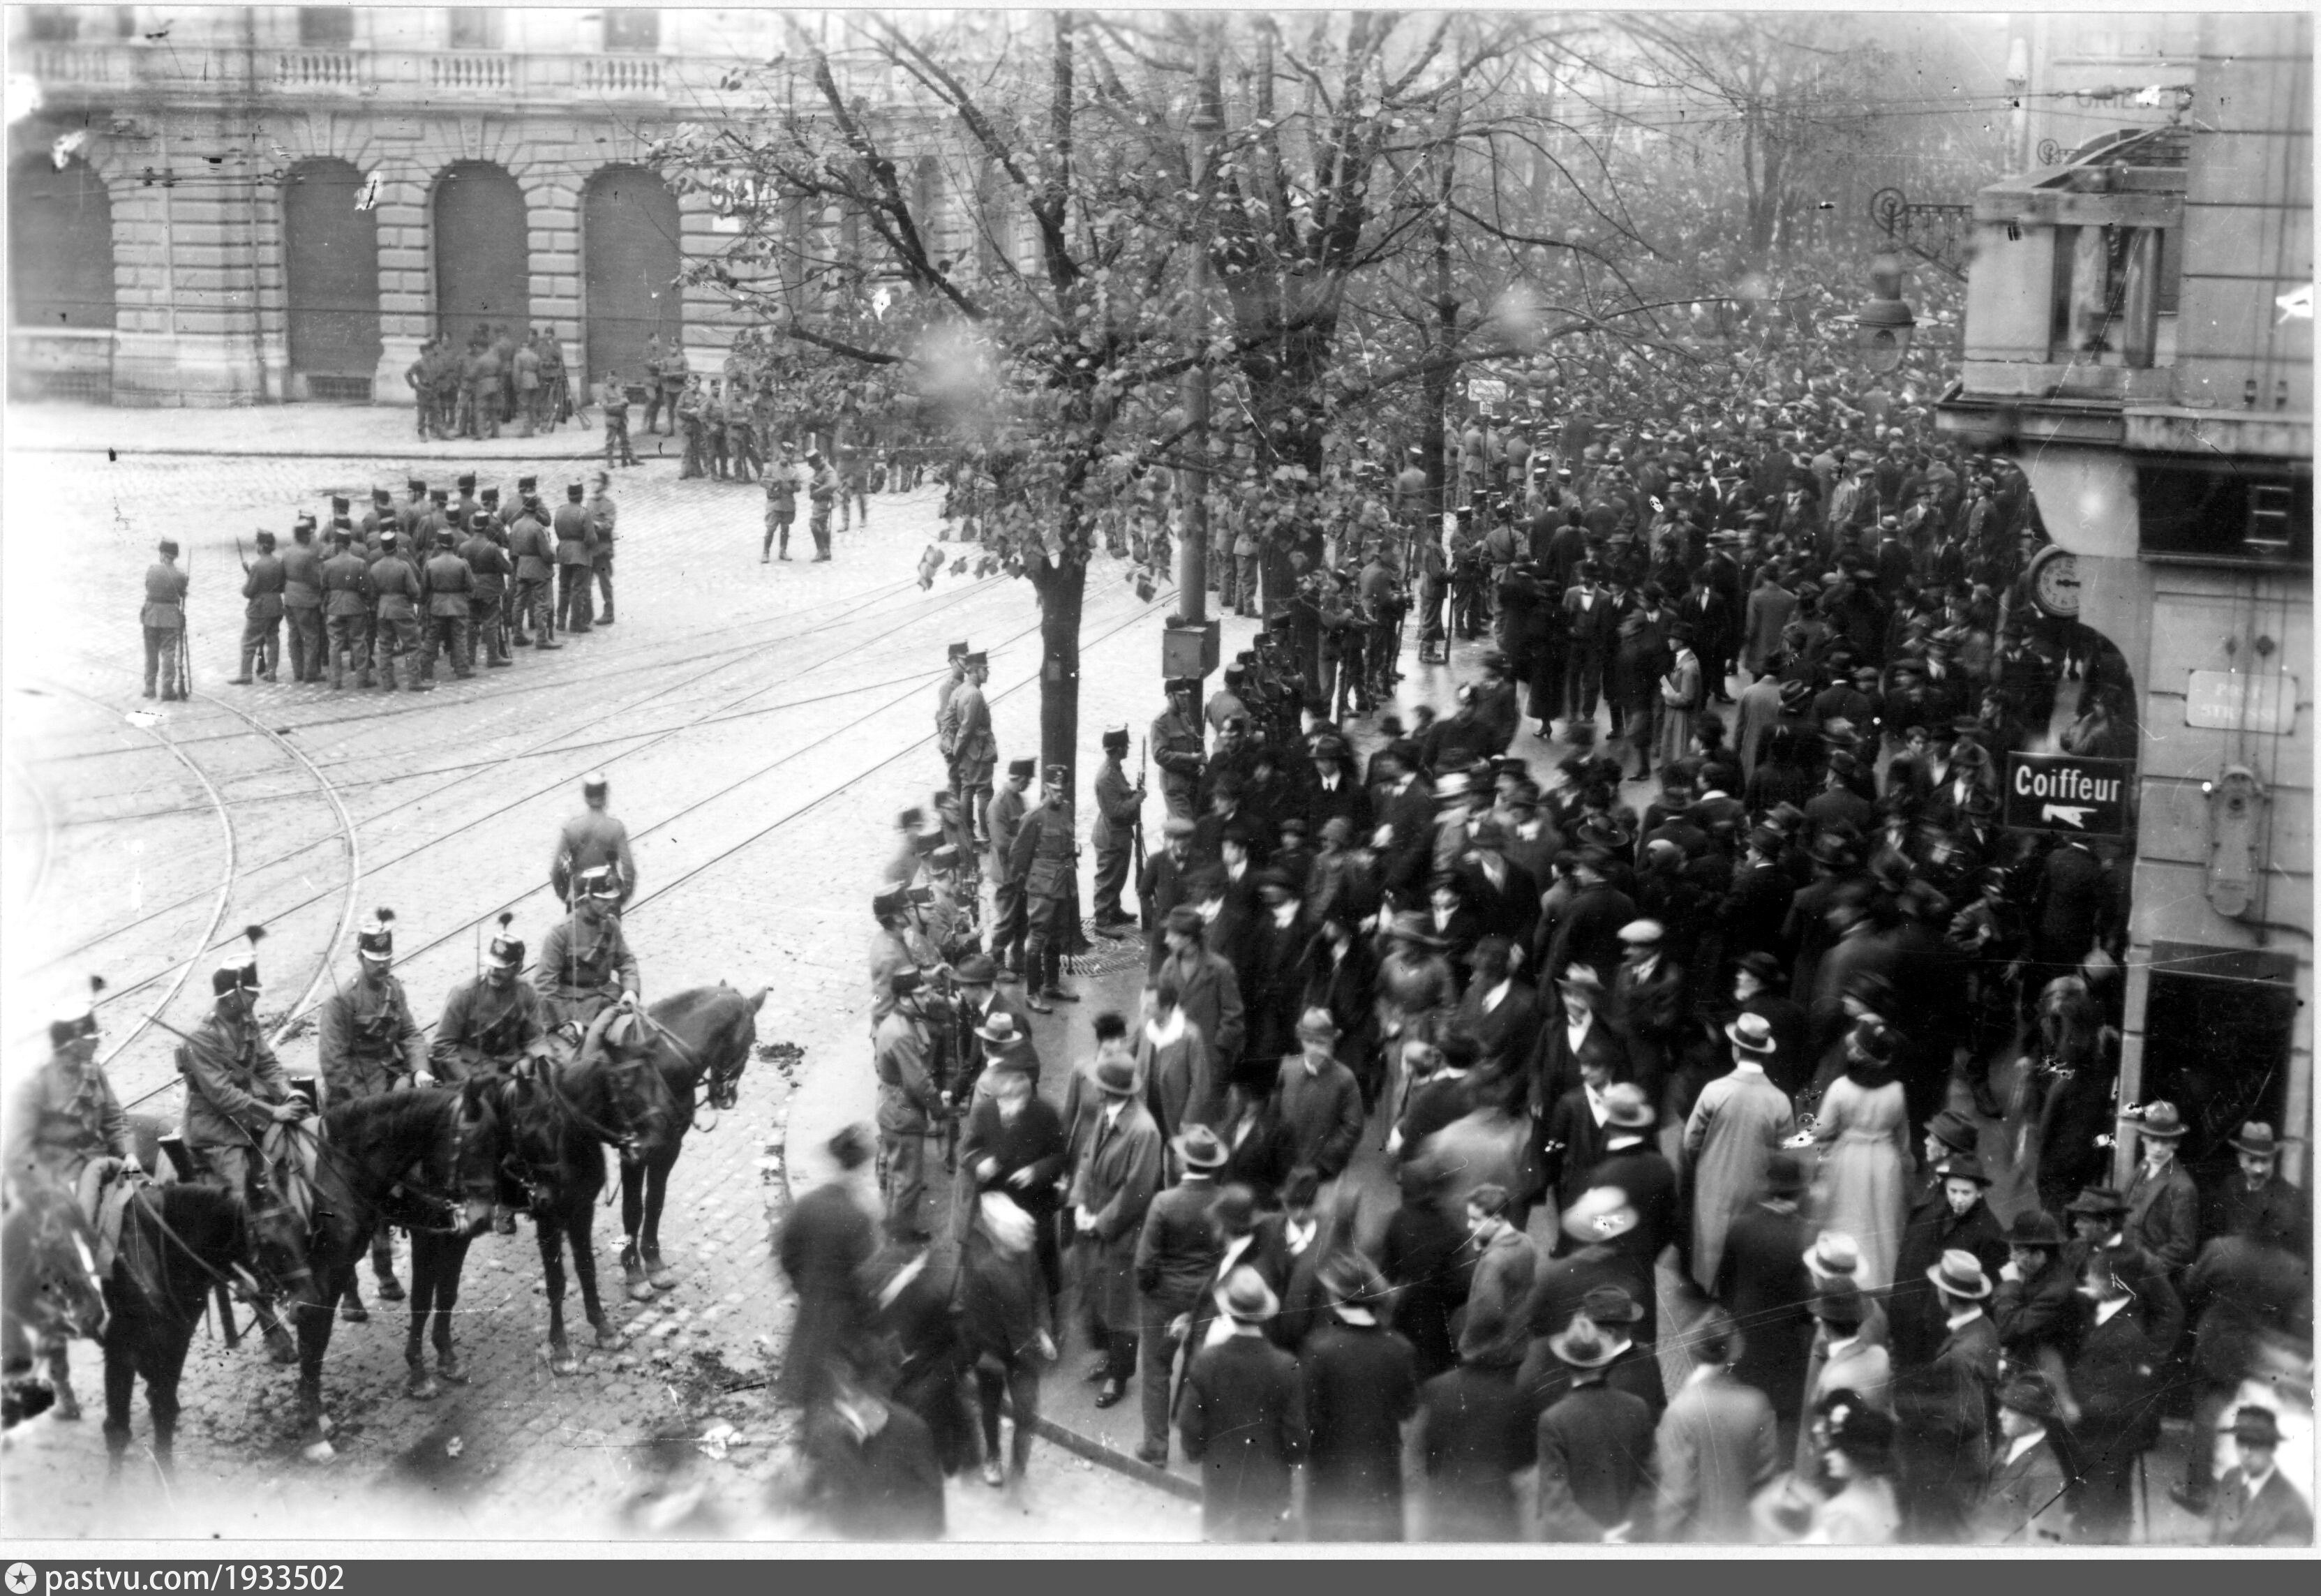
(483, 767)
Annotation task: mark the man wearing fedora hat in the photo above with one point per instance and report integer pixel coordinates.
(1957, 1219)
(2255, 1199)
(1243, 1419)
(2249, 1292)
(2035, 1306)
(2163, 1206)
(2114, 1375)
(1762, 1281)
(1944, 1405)
(2099, 1219)
(1741, 1119)
(1207, 986)
(1321, 1103)
(2256, 1505)
(1177, 1253)
(2023, 1497)
(1596, 1449)
(1632, 1163)
(1361, 1386)
(1116, 1172)
(1014, 1143)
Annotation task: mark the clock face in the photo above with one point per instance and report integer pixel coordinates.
(2055, 583)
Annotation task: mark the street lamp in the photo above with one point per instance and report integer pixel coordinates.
(1883, 325)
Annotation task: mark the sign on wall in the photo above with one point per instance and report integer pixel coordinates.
(2065, 793)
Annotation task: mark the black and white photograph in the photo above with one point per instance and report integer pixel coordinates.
(1075, 779)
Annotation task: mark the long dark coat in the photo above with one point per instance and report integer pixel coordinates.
(1420, 1258)
(1243, 1420)
(1762, 1283)
(1474, 1437)
(1362, 1382)
(824, 1243)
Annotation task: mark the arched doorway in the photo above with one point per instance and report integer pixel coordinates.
(60, 281)
(483, 251)
(60, 247)
(631, 256)
(329, 250)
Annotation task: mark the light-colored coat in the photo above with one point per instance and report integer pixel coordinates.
(1719, 1445)
(1736, 1127)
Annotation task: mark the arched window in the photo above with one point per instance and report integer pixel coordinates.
(483, 251)
(329, 251)
(60, 247)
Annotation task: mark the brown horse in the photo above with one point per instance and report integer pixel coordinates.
(550, 1123)
(701, 1042)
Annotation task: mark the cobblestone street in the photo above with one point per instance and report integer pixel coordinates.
(760, 725)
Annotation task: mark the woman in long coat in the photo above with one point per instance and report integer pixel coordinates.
(1740, 1121)
(1680, 690)
(1864, 1132)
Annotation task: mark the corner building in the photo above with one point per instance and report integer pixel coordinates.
(2139, 335)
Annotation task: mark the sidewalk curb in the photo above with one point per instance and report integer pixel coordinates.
(778, 1146)
(114, 451)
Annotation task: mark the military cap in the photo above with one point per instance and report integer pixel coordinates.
(467, 481)
(381, 495)
(526, 484)
(338, 505)
(1022, 767)
(414, 485)
(978, 658)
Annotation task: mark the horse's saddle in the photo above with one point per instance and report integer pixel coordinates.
(292, 1151)
(105, 1189)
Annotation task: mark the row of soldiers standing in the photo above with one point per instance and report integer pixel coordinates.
(494, 381)
(416, 580)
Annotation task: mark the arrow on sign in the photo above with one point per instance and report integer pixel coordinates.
(2071, 815)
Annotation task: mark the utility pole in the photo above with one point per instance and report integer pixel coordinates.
(1208, 121)
(1190, 648)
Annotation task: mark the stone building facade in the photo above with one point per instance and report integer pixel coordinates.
(2139, 333)
(237, 205)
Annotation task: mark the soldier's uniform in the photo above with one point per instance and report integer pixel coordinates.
(974, 752)
(572, 561)
(653, 383)
(1118, 817)
(713, 424)
(163, 618)
(418, 377)
(261, 626)
(396, 591)
(618, 450)
(367, 1043)
(535, 576)
(1044, 860)
(1178, 747)
(910, 1106)
(382, 513)
(302, 602)
(689, 425)
(64, 1113)
(1007, 909)
(584, 966)
(488, 570)
(450, 586)
(741, 440)
(232, 1081)
(603, 531)
(490, 1024)
(346, 607)
(822, 488)
(484, 377)
(591, 841)
(412, 511)
(781, 508)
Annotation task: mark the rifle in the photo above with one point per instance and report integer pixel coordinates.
(1136, 835)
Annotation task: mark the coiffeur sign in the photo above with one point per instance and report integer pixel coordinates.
(2064, 792)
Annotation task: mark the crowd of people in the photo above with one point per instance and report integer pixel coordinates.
(469, 577)
(492, 381)
(1719, 1085)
